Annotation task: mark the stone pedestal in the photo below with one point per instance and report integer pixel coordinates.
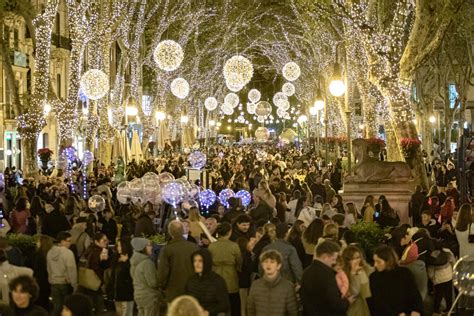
(397, 194)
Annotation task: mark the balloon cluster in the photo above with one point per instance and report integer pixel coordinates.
(224, 197)
(96, 203)
(197, 160)
(244, 196)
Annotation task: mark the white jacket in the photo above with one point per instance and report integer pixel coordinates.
(61, 266)
(7, 273)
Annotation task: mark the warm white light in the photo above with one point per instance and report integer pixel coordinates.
(131, 110)
(280, 99)
(432, 119)
(94, 84)
(168, 55)
(361, 126)
(46, 108)
(319, 104)
(291, 71)
(288, 89)
(303, 118)
(313, 110)
(218, 124)
(110, 117)
(210, 103)
(212, 123)
(160, 115)
(8, 152)
(415, 121)
(85, 110)
(229, 128)
(232, 100)
(254, 95)
(337, 88)
(238, 71)
(263, 108)
(184, 119)
(180, 88)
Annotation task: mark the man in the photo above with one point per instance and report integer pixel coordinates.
(54, 220)
(174, 265)
(144, 226)
(262, 211)
(235, 210)
(330, 192)
(80, 240)
(109, 225)
(319, 291)
(272, 294)
(62, 272)
(242, 228)
(317, 188)
(428, 223)
(416, 205)
(291, 267)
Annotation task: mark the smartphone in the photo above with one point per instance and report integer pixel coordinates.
(1, 218)
(377, 214)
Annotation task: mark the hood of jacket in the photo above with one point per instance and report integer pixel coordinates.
(206, 260)
(137, 258)
(55, 252)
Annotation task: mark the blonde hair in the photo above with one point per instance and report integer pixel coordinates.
(185, 305)
(331, 231)
(194, 215)
(270, 230)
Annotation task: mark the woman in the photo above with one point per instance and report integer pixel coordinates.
(195, 223)
(227, 261)
(19, 216)
(294, 237)
(185, 305)
(368, 210)
(387, 215)
(77, 305)
(120, 285)
(357, 270)
(282, 207)
(245, 273)
(403, 296)
(265, 194)
(351, 214)
(40, 271)
(269, 235)
(464, 230)
(145, 279)
(310, 239)
(24, 293)
(447, 210)
(37, 209)
(206, 286)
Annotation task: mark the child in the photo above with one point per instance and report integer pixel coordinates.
(341, 277)
(440, 270)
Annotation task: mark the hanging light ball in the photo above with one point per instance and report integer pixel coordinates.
(285, 105)
(238, 71)
(197, 160)
(260, 119)
(180, 88)
(263, 108)
(207, 198)
(281, 113)
(251, 108)
(245, 197)
(168, 55)
(262, 133)
(254, 95)
(279, 99)
(210, 103)
(291, 71)
(94, 84)
(232, 100)
(227, 110)
(234, 88)
(288, 89)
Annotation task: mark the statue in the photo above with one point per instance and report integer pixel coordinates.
(371, 170)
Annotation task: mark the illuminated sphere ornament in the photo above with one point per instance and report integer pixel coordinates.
(87, 158)
(337, 88)
(260, 119)
(285, 105)
(232, 100)
(210, 103)
(261, 155)
(180, 88)
(291, 71)
(463, 276)
(197, 160)
(262, 133)
(263, 108)
(168, 55)
(251, 108)
(165, 177)
(94, 84)
(207, 198)
(254, 95)
(238, 71)
(244, 196)
(288, 89)
(227, 110)
(173, 193)
(234, 88)
(281, 113)
(96, 203)
(279, 99)
(224, 197)
(124, 194)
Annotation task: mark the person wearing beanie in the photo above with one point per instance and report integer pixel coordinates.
(77, 305)
(145, 280)
(291, 266)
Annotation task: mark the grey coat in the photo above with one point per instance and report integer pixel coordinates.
(145, 280)
(291, 268)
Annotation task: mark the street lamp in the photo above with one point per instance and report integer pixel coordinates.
(131, 110)
(432, 119)
(302, 119)
(160, 115)
(46, 108)
(184, 119)
(337, 86)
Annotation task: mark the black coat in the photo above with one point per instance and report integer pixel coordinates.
(403, 296)
(144, 226)
(120, 286)
(54, 223)
(319, 292)
(40, 273)
(208, 288)
(109, 228)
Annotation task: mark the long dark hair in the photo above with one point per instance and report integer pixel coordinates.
(295, 232)
(464, 219)
(314, 231)
(45, 244)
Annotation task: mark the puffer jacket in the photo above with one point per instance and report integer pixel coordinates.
(145, 281)
(208, 287)
(272, 297)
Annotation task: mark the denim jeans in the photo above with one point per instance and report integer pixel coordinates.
(58, 294)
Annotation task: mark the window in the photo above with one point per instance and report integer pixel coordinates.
(15, 38)
(58, 85)
(58, 24)
(414, 96)
(453, 95)
(45, 140)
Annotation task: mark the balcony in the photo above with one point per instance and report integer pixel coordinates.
(61, 41)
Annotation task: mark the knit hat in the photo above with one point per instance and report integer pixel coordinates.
(78, 305)
(139, 243)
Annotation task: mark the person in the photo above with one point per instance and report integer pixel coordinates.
(368, 209)
(264, 194)
(146, 292)
(317, 188)
(351, 215)
(415, 206)
(319, 291)
(291, 267)
(80, 240)
(310, 238)
(24, 293)
(206, 286)
(357, 270)
(236, 209)
(195, 223)
(330, 192)
(19, 216)
(7, 273)
(294, 238)
(246, 270)
(40, 269)
(403, 298)
(262, 211)
(447, 210)
(227, 261)
(109, 225)
(185, 305)
(440, 272)
(144, 226)
(174, 267)
(54, 222)
(62, 271)
(120, 285)
(388, 216)
(464, 230)
(428, 223)
(242, 228)
(77, 305)
(272, 294)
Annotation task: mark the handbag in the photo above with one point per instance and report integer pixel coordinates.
(88, 279)
(470, 237)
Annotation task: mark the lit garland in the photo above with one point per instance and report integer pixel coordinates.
(180, 88)
(238, 71)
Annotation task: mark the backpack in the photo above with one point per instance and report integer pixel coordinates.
(437, 258)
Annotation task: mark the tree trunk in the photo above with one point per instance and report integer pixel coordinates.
(30, 166)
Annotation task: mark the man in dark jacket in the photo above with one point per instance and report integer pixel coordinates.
(109, 226)
(319, 291)
(317, 188)
(54, 222)
(174, 266)
(236, 209)
(415, 206)
(242, 227)
(144, 226)
(206, 286)
(262, 211)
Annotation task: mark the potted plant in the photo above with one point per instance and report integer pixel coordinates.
(44, 155)
(410, 147)
(375, 145)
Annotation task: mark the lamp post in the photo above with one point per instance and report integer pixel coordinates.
(432, 120)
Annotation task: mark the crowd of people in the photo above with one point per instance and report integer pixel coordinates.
(291, 252)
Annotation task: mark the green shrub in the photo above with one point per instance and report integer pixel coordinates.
(26, 243)
(368, 236)
(158, 239)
